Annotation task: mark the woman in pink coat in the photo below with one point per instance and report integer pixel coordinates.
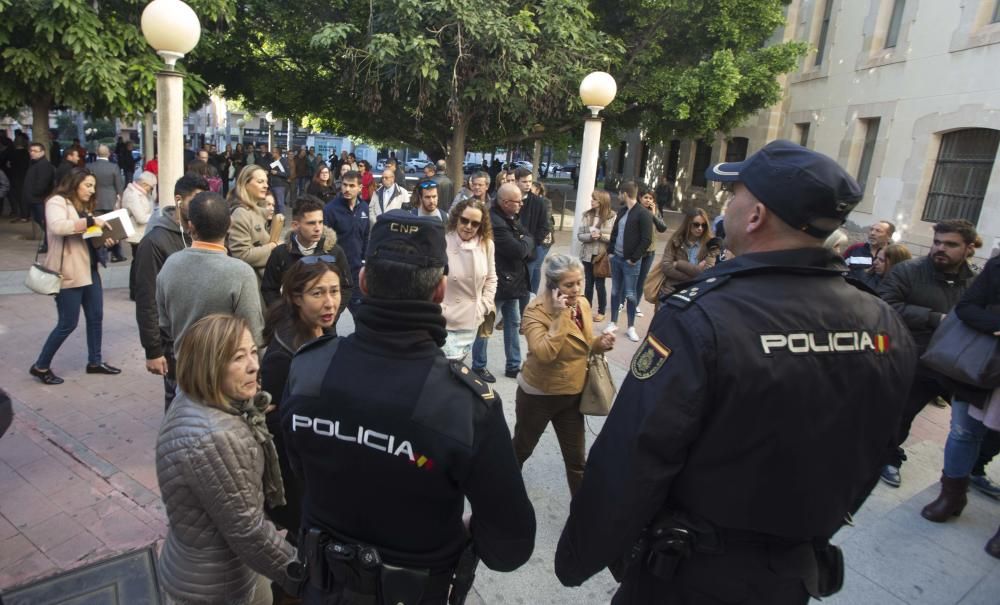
(472, 276)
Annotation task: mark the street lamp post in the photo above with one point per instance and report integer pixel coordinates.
(270, 130)
(173, 30)
(597, 91)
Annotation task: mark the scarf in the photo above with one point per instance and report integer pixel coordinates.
(252, 412)
(405, 320)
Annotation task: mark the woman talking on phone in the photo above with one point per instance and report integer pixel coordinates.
(559, 329)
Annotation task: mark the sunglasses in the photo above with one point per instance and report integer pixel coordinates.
(469, 222)
(428, 185)
(322, 258)
(698, 225)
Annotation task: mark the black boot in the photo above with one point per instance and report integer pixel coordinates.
(993, 546)
(949, 502)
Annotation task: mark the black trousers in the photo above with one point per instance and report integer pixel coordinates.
(926, 386)
(745, 574)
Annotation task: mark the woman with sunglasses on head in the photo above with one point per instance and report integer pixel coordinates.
(367, 180)
(69, 212)
(687, 254)
(472, 277)
(308, 308)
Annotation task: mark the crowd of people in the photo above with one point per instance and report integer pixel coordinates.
(249, 446)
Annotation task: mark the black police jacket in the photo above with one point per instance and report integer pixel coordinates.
(389, 437)
(763, 399)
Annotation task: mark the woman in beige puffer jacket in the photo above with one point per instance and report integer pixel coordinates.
(216, 464)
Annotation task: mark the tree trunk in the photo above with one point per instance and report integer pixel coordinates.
(456, 156)
(40, 121)
(536, 158)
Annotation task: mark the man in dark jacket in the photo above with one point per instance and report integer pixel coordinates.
(347, 214)
(307, 237)
(536, 216)
(755, 412)
(630, 237)
(860, 257)
(923, 291)
(38, 184)
(164, 236)
(70, 160)
(382, 415)
(514, 249)
(446, 188)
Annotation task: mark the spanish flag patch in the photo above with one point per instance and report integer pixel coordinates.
(650, 357)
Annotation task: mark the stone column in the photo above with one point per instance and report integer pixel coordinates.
(170, 117)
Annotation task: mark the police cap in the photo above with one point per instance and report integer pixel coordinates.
(806, 189)
(406, 238)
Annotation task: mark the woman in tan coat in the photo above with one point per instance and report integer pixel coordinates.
(68, 214)
(249, 237)
(685, 256)
(472, 276)
(559, 329)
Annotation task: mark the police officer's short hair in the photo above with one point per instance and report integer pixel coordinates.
(557, 266)
(394, 280)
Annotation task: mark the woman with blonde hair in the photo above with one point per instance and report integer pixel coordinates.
(559, 329)
(472, 277)
(686, 254)
(69, 212)
(216, 465)
(594, 233)
(249, 237)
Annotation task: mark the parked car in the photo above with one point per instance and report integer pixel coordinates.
(523, 164)
(550, 169)
(470, 167)
(416, 164)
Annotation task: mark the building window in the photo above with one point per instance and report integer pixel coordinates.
(895, 22)
(802, 133)
(962, 174)
(702, 159)
(868, 151)
(736, 149)
(673, 160)
(824, 31)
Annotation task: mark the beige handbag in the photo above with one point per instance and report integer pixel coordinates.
(599, 391)
(42, 280)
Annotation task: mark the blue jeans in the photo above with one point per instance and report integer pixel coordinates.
(279, 198)
(535, 268)
(624, 276)
(511, 314)
(68, 303)
(962, 448)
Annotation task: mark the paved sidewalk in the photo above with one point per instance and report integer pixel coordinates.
(78, 483)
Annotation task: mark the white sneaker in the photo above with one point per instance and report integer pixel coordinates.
(632, 334)
(638, 312)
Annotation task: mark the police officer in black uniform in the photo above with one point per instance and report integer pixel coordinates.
(389, 437)
(756, 411)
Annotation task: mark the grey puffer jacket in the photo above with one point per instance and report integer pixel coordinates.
(210, 470)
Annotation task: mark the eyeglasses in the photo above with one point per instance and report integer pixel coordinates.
(469, 222)
(698, 225)
(322, 258)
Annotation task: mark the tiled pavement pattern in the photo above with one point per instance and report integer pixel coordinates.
(78, 484)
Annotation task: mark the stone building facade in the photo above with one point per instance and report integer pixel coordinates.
(903, 93)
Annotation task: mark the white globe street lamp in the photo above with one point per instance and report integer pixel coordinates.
(597, 91)
(173, 30)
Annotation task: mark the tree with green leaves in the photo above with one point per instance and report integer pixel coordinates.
(441, 75)
(88, 56)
